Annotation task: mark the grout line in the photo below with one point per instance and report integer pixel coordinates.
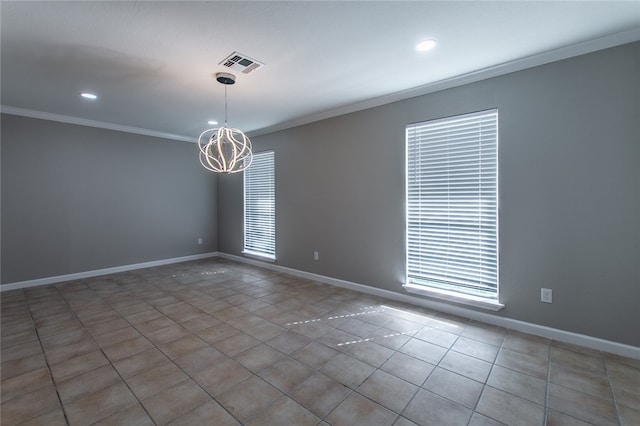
(613, 395)
(547, 386)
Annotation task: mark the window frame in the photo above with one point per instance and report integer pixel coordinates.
(259, 232)
(424, 199)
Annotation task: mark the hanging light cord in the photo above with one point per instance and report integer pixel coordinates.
(225, 105)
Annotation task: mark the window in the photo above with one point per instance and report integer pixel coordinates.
(260, 207)
(452, 206)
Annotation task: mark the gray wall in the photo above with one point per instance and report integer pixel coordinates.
(77, 198)
(569, 191)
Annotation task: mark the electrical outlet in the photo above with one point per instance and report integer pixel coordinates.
(200, 241)
(546, 295)
(316, 255)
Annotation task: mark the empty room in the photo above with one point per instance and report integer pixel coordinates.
(320, 213)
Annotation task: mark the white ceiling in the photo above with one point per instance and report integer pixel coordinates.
(151, 63)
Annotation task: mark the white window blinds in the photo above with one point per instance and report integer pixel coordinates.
(452, 204)
(260, 206)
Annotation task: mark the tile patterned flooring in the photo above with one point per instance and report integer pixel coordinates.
(215, 342)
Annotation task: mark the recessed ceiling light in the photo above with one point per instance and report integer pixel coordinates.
(212, 122)
(88, 95)
(425, 45)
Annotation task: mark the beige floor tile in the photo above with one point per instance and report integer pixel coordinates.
(99, 405)
(52, 418)
(556, 418)
(77, 365)
(87, 383)
(320, 394)
(408, 368)
(59, 328)
(199, 359)
(248, 397)
(259, 357)
(29, 406)
(624, 381)
(437, 337)
(629, 416)
(143, 317)
(167, 334)
(388, 391)
(485, 333)
(25, 383)
(17, 338)
(18, 367)
(116, 336)
(229, 313)
(524, 363)
(155, 324)
(283, 412)
(221, 377)
(175, 401)
(370, 352)
(476, 349)
(519, 384)
(581, 405)
(527, 344)
(454, 387)
(65, 339)
(266, 331)
(424, 351)
(338, 340)
(465, 365)
(315, 354)
(402, 421)
(480, 420)
(620, 359)
(155, 379)
(208, 413)
(200, 322)
(106, 326)
(126, 348)
(570, 358)
(182, 346)
(22, 350)
(217, 333)
(509, 409)
(358, 410)
(288, 342)
(142, 361)
(286, 373)
(133, 415)
(595, 384)
(61, 353)
(236, 344)
(347, 370)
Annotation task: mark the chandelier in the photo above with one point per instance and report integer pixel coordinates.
(225, 150)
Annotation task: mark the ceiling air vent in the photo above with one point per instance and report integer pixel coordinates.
(239, 62)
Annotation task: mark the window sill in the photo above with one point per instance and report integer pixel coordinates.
(448, 296)
(259, 256)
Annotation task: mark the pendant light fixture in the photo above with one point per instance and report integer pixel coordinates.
(224, 149)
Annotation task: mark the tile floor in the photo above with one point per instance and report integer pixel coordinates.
(220, 343)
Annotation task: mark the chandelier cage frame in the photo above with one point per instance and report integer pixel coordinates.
(225, 149)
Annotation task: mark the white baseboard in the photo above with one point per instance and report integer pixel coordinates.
(510, 323)
(105, 271)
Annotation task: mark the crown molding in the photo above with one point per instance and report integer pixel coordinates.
(6, 109)
(532, 61)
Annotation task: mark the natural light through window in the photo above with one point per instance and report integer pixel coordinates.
(260, 207)
(452, 206)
